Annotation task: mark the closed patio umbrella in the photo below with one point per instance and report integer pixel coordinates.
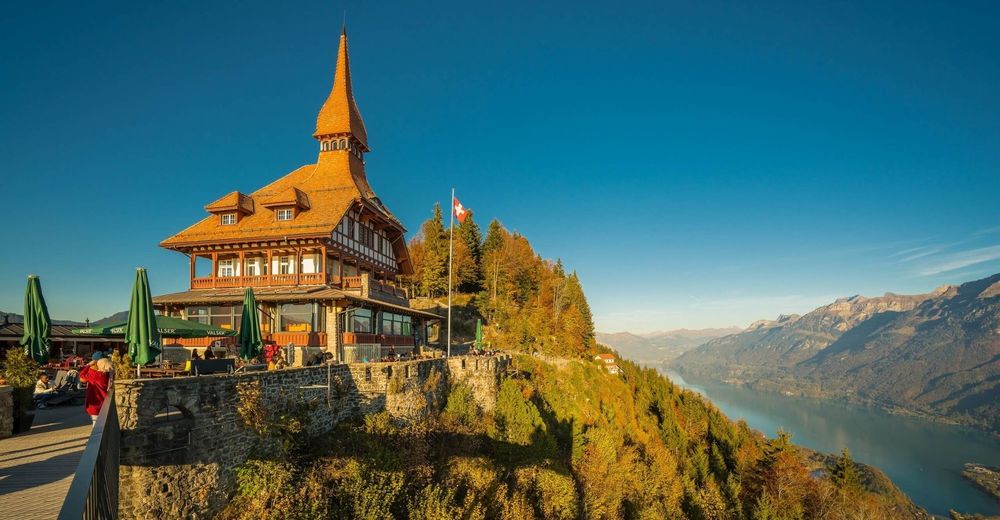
(37, 325)
(479, 334)
(141, 333)
(251, 340)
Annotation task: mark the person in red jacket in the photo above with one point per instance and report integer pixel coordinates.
(97, 374)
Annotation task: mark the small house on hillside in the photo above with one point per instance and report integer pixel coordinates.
(608, 361)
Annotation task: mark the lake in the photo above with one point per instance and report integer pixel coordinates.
(925, 459)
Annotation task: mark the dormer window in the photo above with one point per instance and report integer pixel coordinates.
(285, 214)
(228, 219)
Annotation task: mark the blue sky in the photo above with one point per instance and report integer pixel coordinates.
(700, 164)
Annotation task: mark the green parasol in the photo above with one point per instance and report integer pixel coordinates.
(168, 326)
(141, 333)
(37, 325)
(479, 334)
(251, 341)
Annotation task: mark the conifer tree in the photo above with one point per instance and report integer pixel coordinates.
(433, 273)
(470, 277)
(844, 474)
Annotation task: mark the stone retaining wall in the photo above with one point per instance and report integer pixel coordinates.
(6, 411)
(182, 438)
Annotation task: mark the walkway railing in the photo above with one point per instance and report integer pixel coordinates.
(94, 491)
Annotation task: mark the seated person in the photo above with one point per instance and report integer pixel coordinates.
(209, 354)
(194, 354)
(43, 390)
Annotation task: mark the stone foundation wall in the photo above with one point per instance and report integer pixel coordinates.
(482, 375)
(182, 438)
(6, 411)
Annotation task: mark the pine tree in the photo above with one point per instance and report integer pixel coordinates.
(844, 474)
(433, 273)
(471, 278)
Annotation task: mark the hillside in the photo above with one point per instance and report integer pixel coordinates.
(662, 346)
(565, 440)
(935, 354)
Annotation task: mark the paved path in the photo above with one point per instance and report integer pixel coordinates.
(37, 467)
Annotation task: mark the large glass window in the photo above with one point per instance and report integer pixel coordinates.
(298, 317)
(360, 320)
(396, 324)
(222, 316)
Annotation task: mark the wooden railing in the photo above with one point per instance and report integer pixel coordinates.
(93, 494)
(351, 282)
(263, 280)
(300, 339)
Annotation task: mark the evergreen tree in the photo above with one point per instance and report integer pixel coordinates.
(470, 277)
(433, 273)
(844, 474)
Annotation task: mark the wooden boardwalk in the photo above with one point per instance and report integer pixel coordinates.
(37, 467)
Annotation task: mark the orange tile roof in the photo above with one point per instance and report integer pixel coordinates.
(331, 186)
(340, 114)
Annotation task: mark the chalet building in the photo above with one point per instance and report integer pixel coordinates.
(608, 361)
(320, 249)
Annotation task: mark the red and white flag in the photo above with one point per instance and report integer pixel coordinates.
(459, 210)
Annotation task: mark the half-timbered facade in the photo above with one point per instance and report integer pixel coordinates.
(320, 249)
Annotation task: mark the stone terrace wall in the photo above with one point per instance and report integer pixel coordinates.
(183, 437)
(481, 374)
(6, 411)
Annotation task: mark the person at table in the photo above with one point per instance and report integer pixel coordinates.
(97, 374)
(43, 390)
(209, 354)
(194, 354)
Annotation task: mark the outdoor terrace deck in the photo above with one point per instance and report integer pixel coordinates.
(36, 467)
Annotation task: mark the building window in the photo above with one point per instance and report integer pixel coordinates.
(226, 268)
(222, 316)
(285, 265)
(298, 317)
(285, 214)
(360, 321)
(228, 219)
(396, 324)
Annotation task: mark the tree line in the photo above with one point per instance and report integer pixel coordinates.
(527, 303)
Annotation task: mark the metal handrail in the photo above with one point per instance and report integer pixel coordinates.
(93, 494)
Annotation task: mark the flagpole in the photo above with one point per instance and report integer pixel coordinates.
(451, 251)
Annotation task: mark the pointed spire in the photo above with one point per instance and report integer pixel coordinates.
(340, 114)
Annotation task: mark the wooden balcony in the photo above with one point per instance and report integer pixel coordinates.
(264, 280)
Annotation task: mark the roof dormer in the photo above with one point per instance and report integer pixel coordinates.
(231, 207)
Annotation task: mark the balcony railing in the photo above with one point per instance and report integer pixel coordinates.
(94, 490)
(284, 280)
(263, 280)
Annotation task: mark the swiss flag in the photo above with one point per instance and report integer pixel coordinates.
(459, 210)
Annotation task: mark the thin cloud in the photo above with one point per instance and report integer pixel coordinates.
(962, 259)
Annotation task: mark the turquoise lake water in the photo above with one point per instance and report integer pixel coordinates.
(923, 458)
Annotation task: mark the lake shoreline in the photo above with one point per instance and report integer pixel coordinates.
(776, 388)
(894, 443)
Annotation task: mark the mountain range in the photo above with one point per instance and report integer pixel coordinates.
(935, 355)
(661, 346)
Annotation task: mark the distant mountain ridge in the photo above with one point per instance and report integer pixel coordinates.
(10, 317)
(660, 346)
(934, 354)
